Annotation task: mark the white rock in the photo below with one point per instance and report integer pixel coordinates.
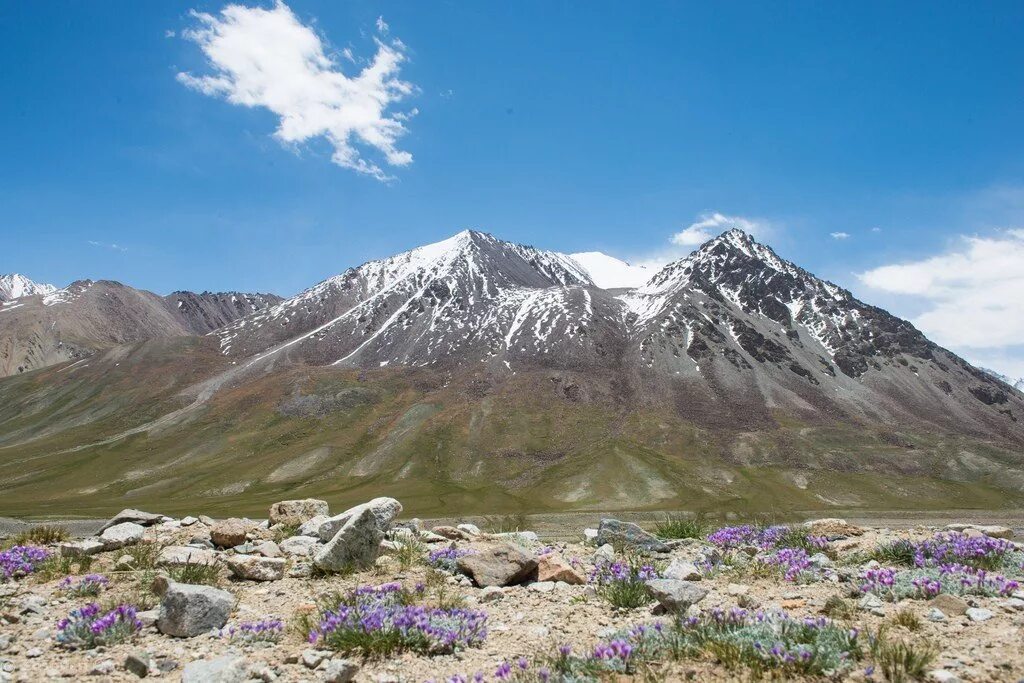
(83, 548)
(120, 535)
(935, 614)
(299, 546)
(471, 529)
(943, 676)
(541, 586)
(682, 570)
(979, 614)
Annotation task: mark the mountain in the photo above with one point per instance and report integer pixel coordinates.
(40, 329)
(1017, 384)
(15, 286)
(476, 374)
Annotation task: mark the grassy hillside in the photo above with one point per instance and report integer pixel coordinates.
(443, 445)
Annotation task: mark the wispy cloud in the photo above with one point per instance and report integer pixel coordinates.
(268, 58)
(973, 295)
(106, 245)
(840, 235)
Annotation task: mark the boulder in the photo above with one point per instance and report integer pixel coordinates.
(298, 545)
(384, 511)
(180, 555)
(340, 671)
(553, 567)
(187, 611)
(229, 668)
(295, 512)
(120, 535)
(674, 595)
(356, 544)
(83, 548)
(132, 515)
(312, 526)
(682, 571)
(978, 614)
(256, 567)
(629, 536)
(228, 533)
(497, 565)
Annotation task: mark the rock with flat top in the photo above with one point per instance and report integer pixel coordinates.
(674, 595)
(187, 611)
(120, 535)
(132, 515)
(256, 567)
(384, 511)
(181, 555)
(295, 512)
(497, 565)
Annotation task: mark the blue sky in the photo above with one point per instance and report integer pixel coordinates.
(572, 126)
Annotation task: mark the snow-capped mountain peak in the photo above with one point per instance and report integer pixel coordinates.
(608, 272)
(15, 286)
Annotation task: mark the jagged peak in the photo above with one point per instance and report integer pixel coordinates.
(16, 285)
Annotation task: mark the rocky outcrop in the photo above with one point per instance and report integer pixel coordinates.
(355, 544)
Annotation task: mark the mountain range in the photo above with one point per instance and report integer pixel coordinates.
(478, 374)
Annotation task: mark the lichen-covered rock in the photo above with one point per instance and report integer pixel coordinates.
(356, 544)
(497, 565)
(628, 536)
(294, 512)
(228, 533)
(187, 611)
(256, 567)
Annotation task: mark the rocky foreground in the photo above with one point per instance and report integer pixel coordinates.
(365, 596)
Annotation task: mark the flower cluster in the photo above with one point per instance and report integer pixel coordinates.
(89, 585)
(976, 551)
(382, 620)
(605, 573)
(87, 628)
(263, 631)
(21, 560)
(446, 558)
(731, 537)
(795, 564)
(927, 582)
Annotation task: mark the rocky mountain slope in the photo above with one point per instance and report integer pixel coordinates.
(479, 374)
(45, 326)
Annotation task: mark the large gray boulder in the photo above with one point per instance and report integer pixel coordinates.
(120, 535)
(628, 536)
(674, 595)
(384, 511)
(132, 515)
(497, 565)
(356, 544)
(295, 512)
(187, 611)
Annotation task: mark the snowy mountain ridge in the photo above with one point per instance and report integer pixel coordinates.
(14, 286)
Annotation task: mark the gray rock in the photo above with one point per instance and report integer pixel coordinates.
(497, 565)
(935, 614)
(683, 571)
(138, 663)
(120, 535)
(340, 671)
(626, 535)
(943, 676)
(979, 614)
(256, 567)
(491, 594)
(268, 549)
(298, 545)
(541, 586)
(674, 595)
(471, 529)
(187, 611)
(188, 521)
(870, 602)
(384, 511)
(589, 536)
(356, 544)
(820, 560)
(229, 668)
(148, 618)
(311, 658)
(297, 511)
(132, 515)
(104, 668)
(520, 537)
(83, 548)
(312, 526)
(604, 554)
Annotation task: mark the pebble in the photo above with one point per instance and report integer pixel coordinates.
(979, 614)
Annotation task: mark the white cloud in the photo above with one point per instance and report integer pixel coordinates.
(382, 26)
(268, 58)
(876, 230)
(840, 235)
(104, 245)
(973, 295)
(712, 224)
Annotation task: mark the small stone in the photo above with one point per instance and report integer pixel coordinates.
(34, 652)
(268, 549)
(520, 537)
(188, 521)
(340, 671)
(950, 605)
(737, 589)
(229, 668)
(148, 617)
(311, 658)
(943, 676)
(979, 614)
(104, 668)
(1013, 604)
(471, 529)
(604, 554)
(541, 586)
(820, 560)
(83, 548)
(299, 545)
(590, 536)
(935, 614)
(491, 594)
(138, 664)
(870, 602)
(181, 555)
